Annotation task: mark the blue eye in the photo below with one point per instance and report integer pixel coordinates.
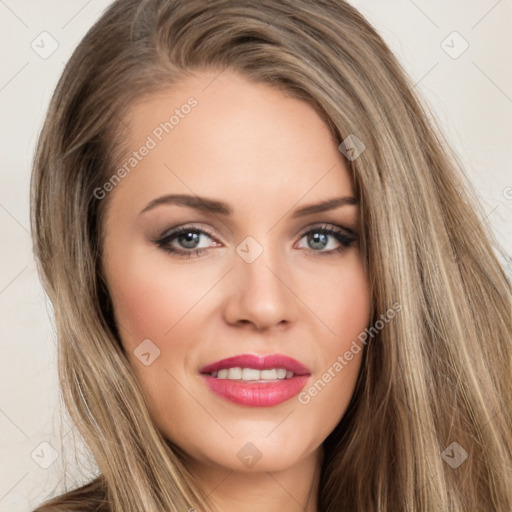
(188, 237)
(318, 238)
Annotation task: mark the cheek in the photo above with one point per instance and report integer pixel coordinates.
(339, 296)
(157, 301)
(150, 300)
(351, 319)
(346, 310)
(352, 301)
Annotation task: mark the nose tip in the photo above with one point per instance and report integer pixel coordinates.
(260, 296)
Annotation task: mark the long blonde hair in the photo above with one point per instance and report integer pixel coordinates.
(438, 374)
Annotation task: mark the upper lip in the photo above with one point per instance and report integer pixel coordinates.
(258, 363)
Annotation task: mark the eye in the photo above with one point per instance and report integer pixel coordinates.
(322, 237)
(188, 239)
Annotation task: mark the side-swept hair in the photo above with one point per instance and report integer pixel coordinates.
(440, 372)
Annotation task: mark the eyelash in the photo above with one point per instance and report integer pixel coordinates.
(163, 243)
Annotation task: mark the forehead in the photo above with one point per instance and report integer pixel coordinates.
(220, 135)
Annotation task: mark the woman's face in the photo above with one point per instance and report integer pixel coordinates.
(254, 274)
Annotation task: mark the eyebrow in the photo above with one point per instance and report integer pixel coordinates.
(221, 208)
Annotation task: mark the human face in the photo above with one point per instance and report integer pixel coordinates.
(259, 285)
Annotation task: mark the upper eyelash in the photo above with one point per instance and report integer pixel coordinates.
(345, 240)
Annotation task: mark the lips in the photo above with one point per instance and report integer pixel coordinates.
(256, 393)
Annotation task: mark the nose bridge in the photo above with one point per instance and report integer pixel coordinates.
(257, 260)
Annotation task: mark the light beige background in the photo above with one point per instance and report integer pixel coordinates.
(470, 96)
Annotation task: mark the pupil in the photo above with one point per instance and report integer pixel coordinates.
(190, 239)
(318, 238)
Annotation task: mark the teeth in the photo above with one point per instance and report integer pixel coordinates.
(268, 374)
(235, 373)
(238, 373)
(250, 374)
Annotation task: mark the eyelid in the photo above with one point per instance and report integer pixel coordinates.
(328, 225)
(192, 227)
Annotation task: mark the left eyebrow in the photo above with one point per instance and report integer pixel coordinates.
(330, 204)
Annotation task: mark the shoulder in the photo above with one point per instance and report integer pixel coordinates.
(90, 497)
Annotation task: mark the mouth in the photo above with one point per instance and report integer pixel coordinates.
(256, 381)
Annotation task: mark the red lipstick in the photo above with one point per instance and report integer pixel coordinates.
(256, 381)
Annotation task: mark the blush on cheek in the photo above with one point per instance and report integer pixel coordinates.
(148, 305)
(346, 302)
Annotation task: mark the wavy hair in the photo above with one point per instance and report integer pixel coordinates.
(438, 373)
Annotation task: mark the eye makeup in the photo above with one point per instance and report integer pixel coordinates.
(192, 233)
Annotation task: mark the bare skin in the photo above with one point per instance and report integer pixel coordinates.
(266, 155)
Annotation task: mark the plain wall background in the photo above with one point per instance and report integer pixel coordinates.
(470, 95)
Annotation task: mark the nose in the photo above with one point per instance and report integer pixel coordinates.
(261, 293)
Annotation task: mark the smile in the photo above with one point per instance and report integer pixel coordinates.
(256, 381)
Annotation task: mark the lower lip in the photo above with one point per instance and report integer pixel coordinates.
(256, 394)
